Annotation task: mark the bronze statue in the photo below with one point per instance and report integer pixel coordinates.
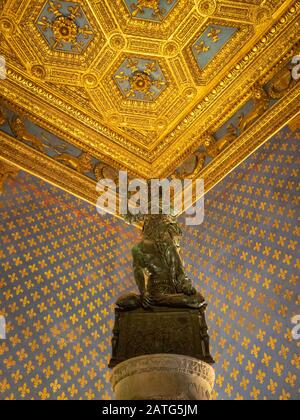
(159, 269)
(168, 317)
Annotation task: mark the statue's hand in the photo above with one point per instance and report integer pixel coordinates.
(146, 300)
(188, 288)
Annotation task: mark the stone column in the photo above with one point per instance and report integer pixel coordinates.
(163, 377)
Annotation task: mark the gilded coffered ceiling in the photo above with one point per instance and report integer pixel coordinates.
(157, 87)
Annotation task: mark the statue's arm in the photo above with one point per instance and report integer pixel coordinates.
(139, 275)
(138, 269)
(176, 269)
(182, 283)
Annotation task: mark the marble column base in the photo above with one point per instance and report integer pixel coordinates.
(163, 377)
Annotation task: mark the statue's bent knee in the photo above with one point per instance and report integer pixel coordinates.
(131, 301)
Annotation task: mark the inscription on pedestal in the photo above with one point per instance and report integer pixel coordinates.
(161, 331)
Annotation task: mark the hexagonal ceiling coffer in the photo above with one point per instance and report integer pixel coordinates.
(65, 26)
(153, 10)
(140, 79)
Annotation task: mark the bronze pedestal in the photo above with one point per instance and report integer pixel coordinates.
(161, 330)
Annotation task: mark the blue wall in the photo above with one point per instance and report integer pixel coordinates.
(62, 267)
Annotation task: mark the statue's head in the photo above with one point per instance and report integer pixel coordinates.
(161, 227)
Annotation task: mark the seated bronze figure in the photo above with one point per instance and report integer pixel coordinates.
(159, 269)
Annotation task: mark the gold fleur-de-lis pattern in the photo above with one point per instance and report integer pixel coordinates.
(246, 257)
(210, 42)
(62, 267)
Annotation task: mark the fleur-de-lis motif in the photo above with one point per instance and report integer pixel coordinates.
(141, 5)
(214, 34)
(132, 65)
(54, 8)
(150, 68)
(202, 48)
(85, 31)
(122, 76)
(75, 12)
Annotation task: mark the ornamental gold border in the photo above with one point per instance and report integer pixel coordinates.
(50, 109)
(18, 154)
(254, 64)
(14, 152)
(151, 29)
(282, 113)
(63, 127)
(188, 136)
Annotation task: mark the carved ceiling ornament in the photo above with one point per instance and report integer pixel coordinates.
(65, 27)
(90, 80)
(38, 71)
(140, 79)
(81, 164)
(171, 49)
(7, 26)
(207, 7)
(150, 9)
(118, 41)
(262, 15)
